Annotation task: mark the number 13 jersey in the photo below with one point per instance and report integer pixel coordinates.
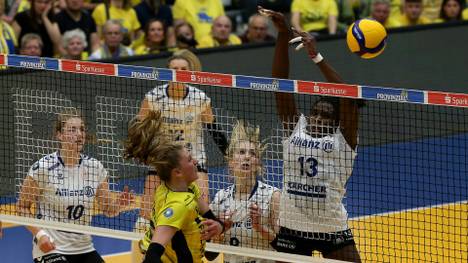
(315, 174)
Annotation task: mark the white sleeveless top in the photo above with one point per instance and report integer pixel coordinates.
(183, 117)
(67, 196)
(242, 233)
(315, 174)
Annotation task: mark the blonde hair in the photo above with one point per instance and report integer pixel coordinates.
(243, 132)
(192, 59)
(148, 143)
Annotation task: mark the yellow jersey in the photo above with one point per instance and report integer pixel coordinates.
(127, 17)
(404, 21)
(178, 210)
(209, 41)
(431, 9)
(314, 13)
(198, 13)
(7, 39)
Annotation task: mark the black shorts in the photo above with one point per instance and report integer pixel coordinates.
(91, 257)
(304, 243)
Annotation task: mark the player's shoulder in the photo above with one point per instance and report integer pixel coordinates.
(90, 162)
(158, 92)
(49, 161)
(196, 93)
(224, 194)
(264, 187)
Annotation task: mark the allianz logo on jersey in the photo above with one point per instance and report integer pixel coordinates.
(326, 145)
(243, 224)
(87, 191)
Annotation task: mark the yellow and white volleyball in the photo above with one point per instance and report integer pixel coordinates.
(366, 38)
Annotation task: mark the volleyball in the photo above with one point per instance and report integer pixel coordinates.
(366, 38)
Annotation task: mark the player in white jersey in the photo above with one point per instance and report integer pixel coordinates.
(318, 154)
(186, 110)
(64, 186)
(249, 206)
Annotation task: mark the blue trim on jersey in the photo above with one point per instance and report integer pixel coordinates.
(60, 159)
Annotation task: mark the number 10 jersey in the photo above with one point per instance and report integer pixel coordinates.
(67, 196)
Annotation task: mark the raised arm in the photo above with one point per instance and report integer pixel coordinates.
(349, 112)
(285, 104)
(349, 120)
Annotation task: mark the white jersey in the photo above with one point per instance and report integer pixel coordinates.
(242, 233)
(67, 196)
(315, 174)
(183, 117)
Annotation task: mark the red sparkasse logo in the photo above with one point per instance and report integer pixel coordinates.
(88, 67)
(444, 98)
(205, 78)
(333, 89)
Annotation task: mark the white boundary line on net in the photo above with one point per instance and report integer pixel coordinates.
(119, 234)
(388, 94)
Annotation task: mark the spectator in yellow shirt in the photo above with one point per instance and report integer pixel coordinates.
(122, 11)
(451, 11)
(198, 13)
(314, 15)
(465, 14)
(155, 38)
(396, 8)
(431, 9)
(7, 35)
(412, 10)
(220, 34)
(380, 11)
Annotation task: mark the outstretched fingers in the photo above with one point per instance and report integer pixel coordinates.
(306, 40)
(277, 18)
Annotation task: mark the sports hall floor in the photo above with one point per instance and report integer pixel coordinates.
(408, 202)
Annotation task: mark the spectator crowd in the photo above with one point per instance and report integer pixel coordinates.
(103, 29)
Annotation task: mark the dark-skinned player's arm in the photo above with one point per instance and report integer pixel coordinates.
(349, 110)
(285, 104)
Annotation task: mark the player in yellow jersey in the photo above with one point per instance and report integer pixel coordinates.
(181, 220)
(186, 110)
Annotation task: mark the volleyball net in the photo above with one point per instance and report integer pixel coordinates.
(406, 198)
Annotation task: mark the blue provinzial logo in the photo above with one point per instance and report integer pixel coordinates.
(168, 212)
